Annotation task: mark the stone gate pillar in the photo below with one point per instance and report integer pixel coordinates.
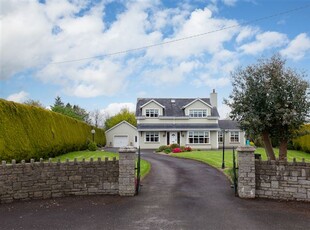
(246, 172)
(127, 164)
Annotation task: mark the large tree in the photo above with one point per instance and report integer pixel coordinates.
(269, 99)
(35, 103)
(123, 115)
(72, 111)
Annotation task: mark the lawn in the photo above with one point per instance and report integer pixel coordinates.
(145, 165)
(214, 157)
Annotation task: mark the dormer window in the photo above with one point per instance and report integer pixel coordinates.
(151, 112)
(198, 113)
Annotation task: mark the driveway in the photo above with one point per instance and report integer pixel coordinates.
(177, 194)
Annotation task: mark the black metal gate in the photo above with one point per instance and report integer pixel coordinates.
(235, 173)
(138, 164)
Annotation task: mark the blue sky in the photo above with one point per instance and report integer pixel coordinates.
(39, 37)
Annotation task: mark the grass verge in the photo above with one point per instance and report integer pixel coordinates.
(214, 157)
(145, 165)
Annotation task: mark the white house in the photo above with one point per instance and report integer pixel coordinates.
(122, 134)
(186, 121)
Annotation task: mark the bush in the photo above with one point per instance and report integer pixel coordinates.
(92, 146)
(173, 146)
(177, 150)
(167, 151)
(188, 149)
(162, 148)
(30, 132)
(303, 142)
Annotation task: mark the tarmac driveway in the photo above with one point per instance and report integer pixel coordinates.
(177, 194)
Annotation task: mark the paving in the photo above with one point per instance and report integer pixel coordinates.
(177, 194)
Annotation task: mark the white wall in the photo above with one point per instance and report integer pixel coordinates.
(123, 129)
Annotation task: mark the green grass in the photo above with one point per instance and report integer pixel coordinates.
(214, 157)
(145, 165)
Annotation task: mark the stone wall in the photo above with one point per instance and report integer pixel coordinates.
(272, 179)
(41, 180)
(283, 180)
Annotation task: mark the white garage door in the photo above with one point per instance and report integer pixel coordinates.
(120, 141)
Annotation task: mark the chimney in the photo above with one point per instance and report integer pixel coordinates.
(213, 98)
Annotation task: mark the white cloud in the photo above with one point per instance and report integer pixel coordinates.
(297, 48)
(246, 33)
(224, 111)
(229, 2)
(115, 108)
(18, 97)
(264, 41)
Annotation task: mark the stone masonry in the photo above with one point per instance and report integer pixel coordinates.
(283, 180)
(127, 157)
(272, 179)
(246, 172)
(41, 180)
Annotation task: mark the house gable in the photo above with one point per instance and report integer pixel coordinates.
(197, 105)
(119, 126)
(152, 105)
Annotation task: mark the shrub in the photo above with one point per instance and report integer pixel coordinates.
(30, 132)
(188, 149)
(173, 146)
(162, 148)
(177, 150)
(303, 142)
(92, 146)
(168, 150)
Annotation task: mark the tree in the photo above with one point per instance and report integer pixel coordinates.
(74, 111)
(97, 118)
(123, 115)
(58, 102)
(36, 103)
(269, 99)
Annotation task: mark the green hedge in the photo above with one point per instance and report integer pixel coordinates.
(31, 132)
(303, 142)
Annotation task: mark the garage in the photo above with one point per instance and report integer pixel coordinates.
(120, 141)
(122, 134)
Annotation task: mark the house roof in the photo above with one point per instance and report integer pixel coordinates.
(228, 124)
(173, 109)
(184, 126)
(123, 122)
(154, 102)
(198, 99)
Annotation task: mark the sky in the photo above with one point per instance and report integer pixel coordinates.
(80, 49)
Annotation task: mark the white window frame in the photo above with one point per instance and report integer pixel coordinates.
(150, 134)
(198, 113)
(220, 134)
(200, 134)
(233, 135)
(152, 112)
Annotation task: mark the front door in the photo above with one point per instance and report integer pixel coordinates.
(173, 138)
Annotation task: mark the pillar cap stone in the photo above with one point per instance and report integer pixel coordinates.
(128, 149)
(246, 149)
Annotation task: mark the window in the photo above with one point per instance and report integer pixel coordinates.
(220, 137)
(152, 137)
(151, 112)
(198, 137)
(234, 137)
(198, 113)
(136, 139)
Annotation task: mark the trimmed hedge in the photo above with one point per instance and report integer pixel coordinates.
(303, 142)
(31, 132)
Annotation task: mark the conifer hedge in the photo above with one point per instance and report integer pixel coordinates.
(303, 142)
(31, 132)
